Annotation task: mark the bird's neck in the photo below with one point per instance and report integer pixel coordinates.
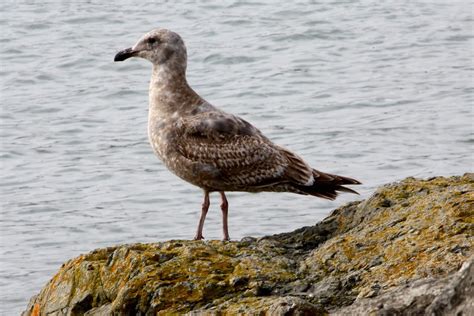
(169, 91)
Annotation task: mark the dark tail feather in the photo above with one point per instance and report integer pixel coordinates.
(327, 185)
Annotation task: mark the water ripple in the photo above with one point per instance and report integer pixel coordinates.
(378, 91)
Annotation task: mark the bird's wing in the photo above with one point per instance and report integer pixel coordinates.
(218, 125)
(239, 151)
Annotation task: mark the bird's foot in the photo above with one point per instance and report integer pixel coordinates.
(226, 238)
(198, 237)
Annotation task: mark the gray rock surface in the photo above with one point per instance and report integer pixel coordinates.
(407, 250)
(451, 295)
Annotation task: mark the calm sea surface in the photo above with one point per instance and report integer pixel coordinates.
(376, 91)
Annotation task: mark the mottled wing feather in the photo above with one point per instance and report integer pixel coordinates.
(218, 125)
(244, 158)
(241, 160)
(298, 170)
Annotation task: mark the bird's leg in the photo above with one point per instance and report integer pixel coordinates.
(225, 211)
(205, 207)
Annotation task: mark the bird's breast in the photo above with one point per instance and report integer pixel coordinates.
(160, 137)
(163, 139)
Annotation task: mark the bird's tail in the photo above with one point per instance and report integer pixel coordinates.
(327, 185)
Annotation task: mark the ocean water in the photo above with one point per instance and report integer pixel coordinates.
(373, 90)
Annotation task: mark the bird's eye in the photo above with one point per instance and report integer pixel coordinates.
(151, 41)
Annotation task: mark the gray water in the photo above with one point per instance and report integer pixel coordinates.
(376, 90)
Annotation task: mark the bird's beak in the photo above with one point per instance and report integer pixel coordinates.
(125, 54)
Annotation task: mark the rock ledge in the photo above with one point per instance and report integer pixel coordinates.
(407, 250)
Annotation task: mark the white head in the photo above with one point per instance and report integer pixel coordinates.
(161, 46)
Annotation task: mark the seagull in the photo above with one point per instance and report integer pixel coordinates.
(210, 148)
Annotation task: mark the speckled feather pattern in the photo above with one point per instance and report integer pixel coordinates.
(209, 148)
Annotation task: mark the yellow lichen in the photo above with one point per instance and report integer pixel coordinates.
(406, 231)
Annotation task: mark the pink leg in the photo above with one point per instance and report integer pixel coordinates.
(205, 208)
(225, 211)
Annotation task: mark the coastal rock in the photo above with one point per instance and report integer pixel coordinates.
(451, 295)
(398, 252)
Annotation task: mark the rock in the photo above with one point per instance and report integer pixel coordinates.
(457, 295)
(452, 295)
(397, 252)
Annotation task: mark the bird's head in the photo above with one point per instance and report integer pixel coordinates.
(160, 46)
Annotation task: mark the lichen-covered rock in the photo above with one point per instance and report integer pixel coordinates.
(393, 252)
(174, 276)
(450, 295)
(409, 230)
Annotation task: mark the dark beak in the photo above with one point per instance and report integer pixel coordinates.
(124, 54)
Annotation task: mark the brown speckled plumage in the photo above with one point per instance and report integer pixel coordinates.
(209, 148)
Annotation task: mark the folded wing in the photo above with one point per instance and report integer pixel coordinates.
(244, 157)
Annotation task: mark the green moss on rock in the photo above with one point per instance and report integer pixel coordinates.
(406, 231)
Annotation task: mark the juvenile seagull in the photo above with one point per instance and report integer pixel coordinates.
(210, 148)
